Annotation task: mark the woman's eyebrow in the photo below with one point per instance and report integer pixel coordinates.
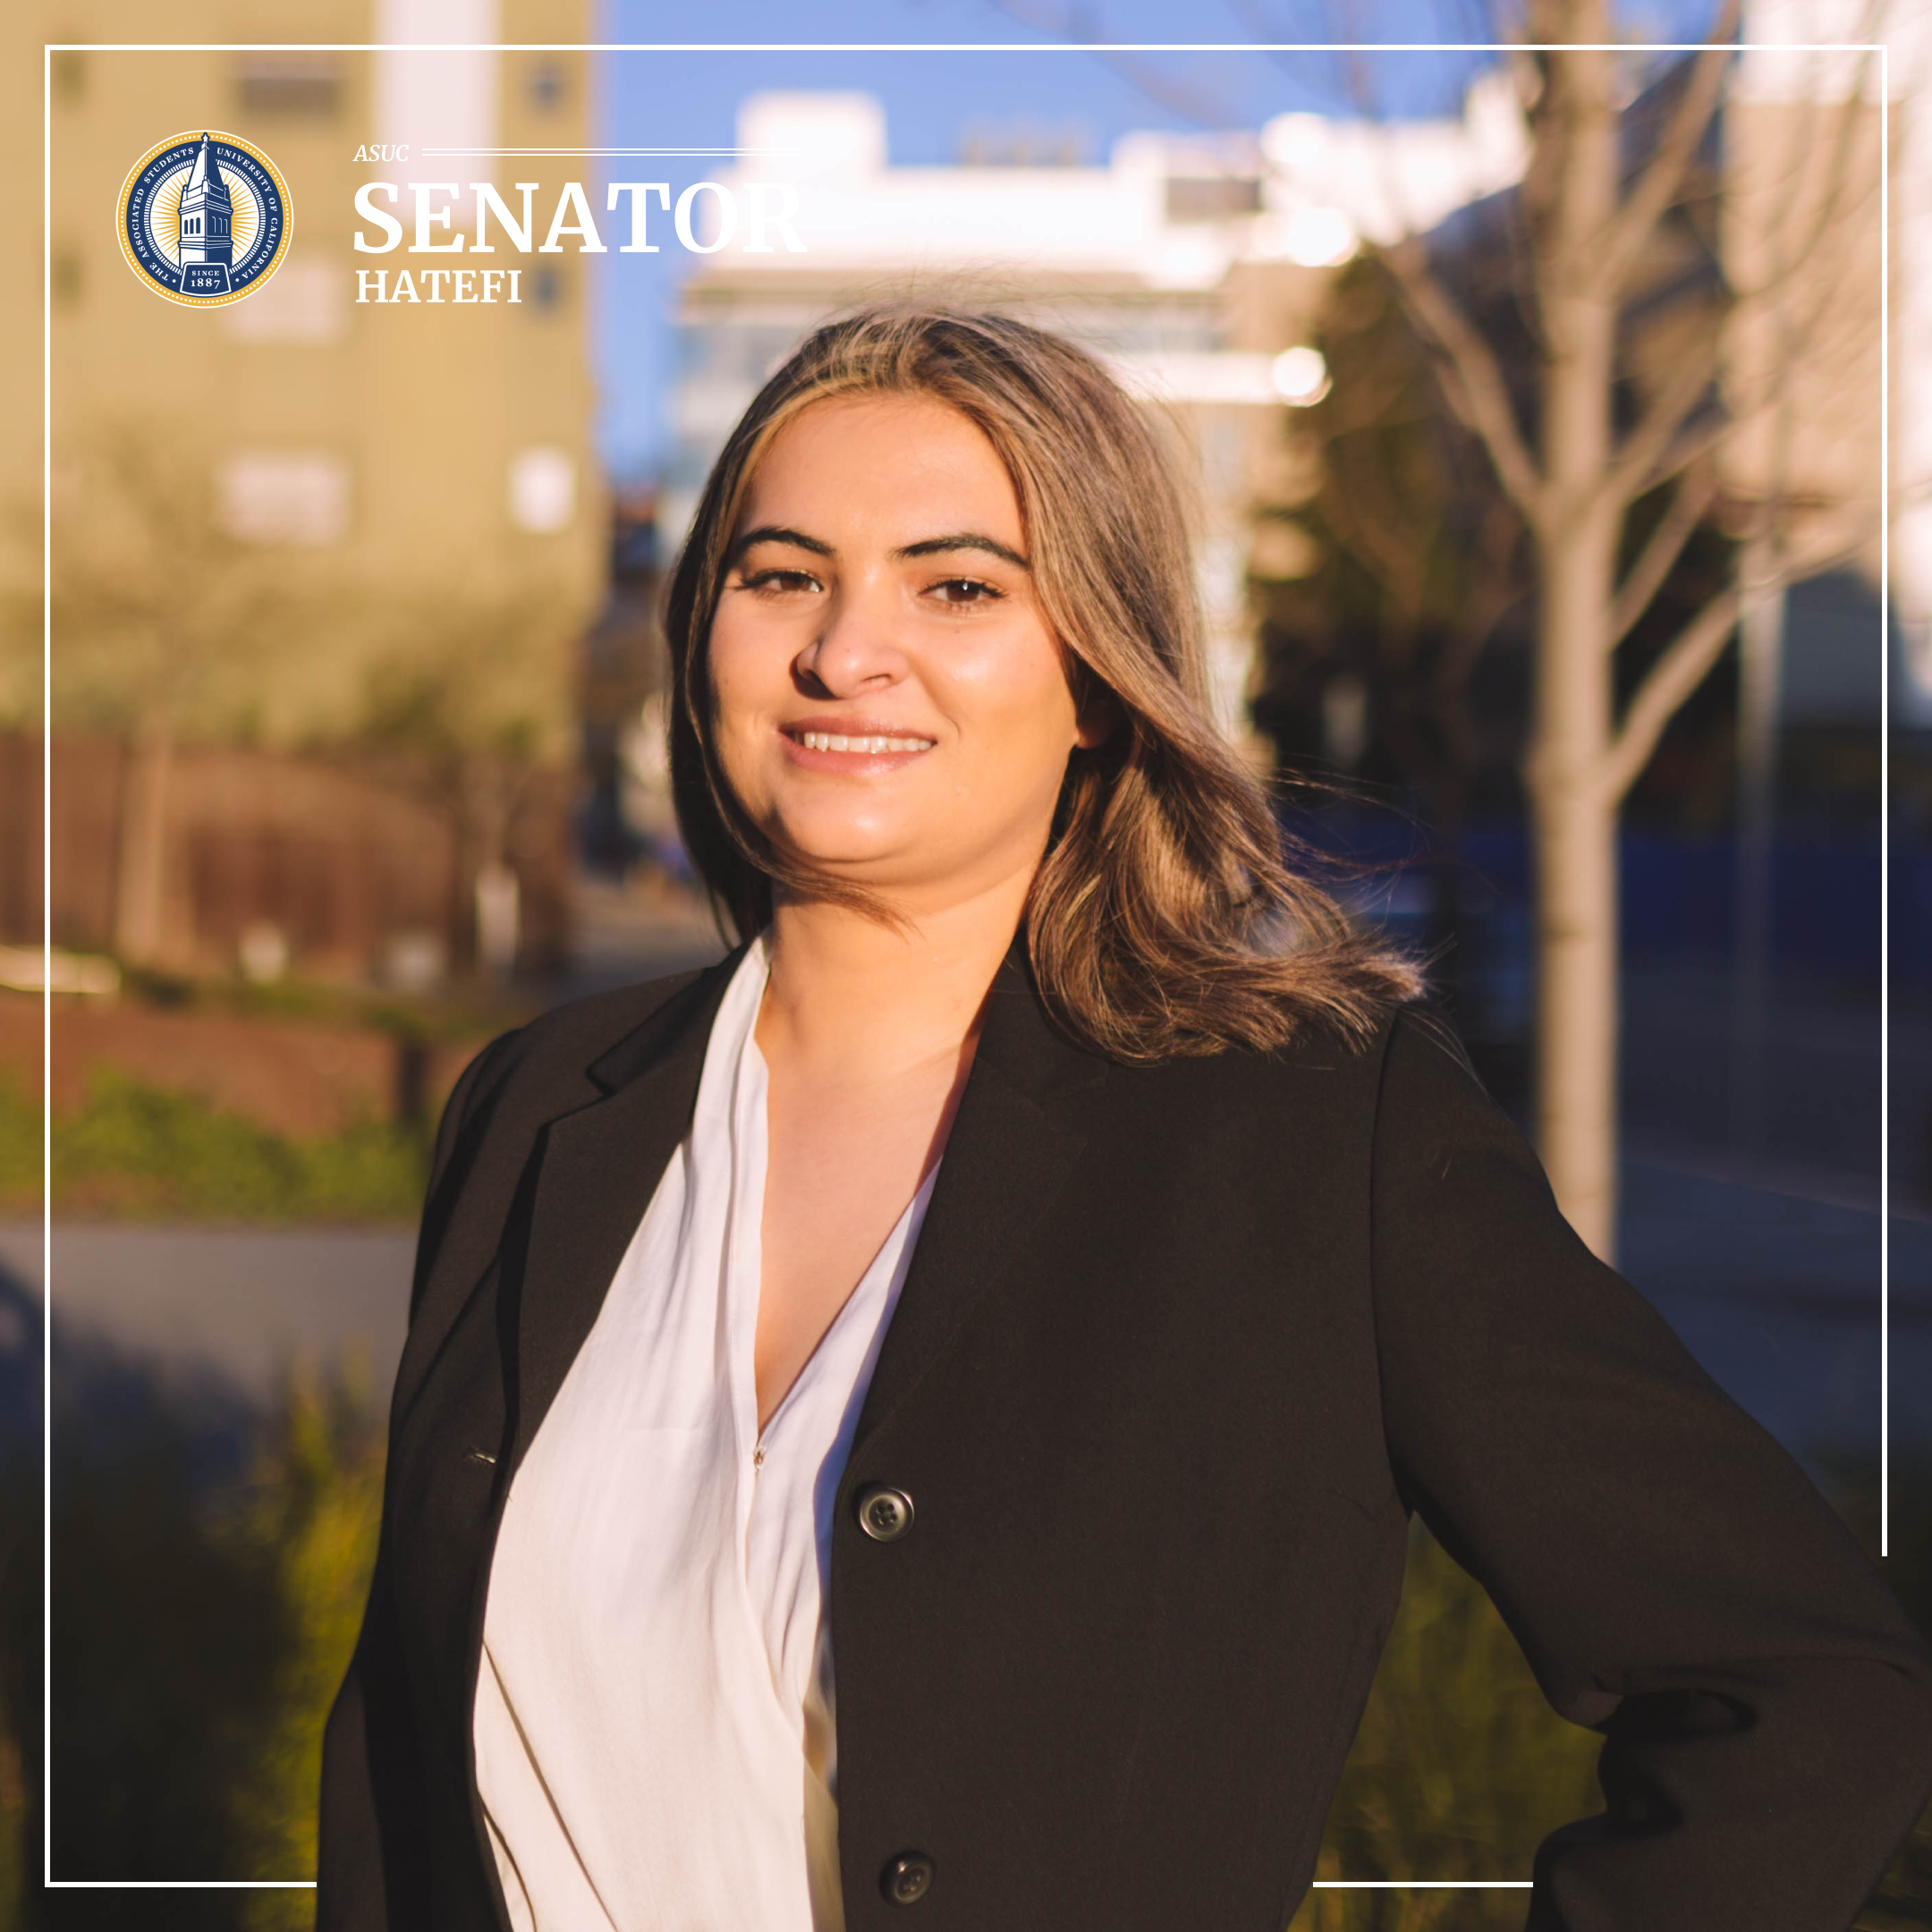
(777, 533)
(961, 540)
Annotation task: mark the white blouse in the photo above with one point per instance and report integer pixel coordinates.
(654, 1729)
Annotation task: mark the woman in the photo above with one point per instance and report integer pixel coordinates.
(924, 1415)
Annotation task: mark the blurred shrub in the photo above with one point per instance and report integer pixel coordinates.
(20, 1150)
(144, 1151)
(1459, 1768)
(209, 1570)
(308, 1526)
(20, 1681)
(165, 1638)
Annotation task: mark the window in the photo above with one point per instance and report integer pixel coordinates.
(290, 85)
(285, 496)
(66, 267)
(546, 86)
(303, 301)
(1192, 198)
(543, 490)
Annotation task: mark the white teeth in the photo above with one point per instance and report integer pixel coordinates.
(841, 742)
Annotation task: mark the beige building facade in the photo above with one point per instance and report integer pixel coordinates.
(390, 469)
(312, 522)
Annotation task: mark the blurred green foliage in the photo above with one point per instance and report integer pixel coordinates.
(144, 1152)
(308, 1529)
(201, 1627)
(1460, 1767)
(19, 1149)
(468, 1011)
(20, 1680)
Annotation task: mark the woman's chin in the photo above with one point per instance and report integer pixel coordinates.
(841, 843)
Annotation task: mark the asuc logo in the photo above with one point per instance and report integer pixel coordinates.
(204, 218)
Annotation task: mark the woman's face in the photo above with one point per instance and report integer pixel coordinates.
(890, 705)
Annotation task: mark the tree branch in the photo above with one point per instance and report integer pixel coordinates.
(1668, 682)
(1473, 379)
(1689, 502)
(1691, 448)
(1658, 186)
(1634, 468)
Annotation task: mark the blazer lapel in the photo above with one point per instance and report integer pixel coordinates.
(1011, 1151)
(597, 1170)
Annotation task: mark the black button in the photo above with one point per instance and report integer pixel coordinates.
(884, 1514)
(908, 1878)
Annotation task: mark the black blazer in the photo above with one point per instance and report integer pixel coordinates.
(1179, 1351)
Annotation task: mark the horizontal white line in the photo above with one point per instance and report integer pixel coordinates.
(949, 47)
(308, 1885)
(442, 154)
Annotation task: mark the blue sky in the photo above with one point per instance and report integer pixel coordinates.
(933, 100)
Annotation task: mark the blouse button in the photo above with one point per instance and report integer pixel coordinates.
(885, 1515)
(908, 1878)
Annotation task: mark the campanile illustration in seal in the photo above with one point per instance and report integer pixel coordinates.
(207, 227)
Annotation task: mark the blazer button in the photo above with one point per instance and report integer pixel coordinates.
(908, 1878)
(885, 1515)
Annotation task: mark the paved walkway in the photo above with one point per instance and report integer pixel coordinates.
(241, 1303)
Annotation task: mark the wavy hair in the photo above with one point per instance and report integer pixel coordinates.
(1164, 919)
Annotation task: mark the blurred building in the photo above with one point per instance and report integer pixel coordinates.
(1805, 127)
(299, 523)
(1195, 265)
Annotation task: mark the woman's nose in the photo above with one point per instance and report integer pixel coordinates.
(855, 648)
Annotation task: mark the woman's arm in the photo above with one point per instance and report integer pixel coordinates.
(1675, 1578)
(370, 1874)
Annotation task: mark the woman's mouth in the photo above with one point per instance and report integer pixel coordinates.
(873, 743)
(854, 747)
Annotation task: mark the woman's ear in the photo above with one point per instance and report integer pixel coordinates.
(1099, 715)
(1097, 711)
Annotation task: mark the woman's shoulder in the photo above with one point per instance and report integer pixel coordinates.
(554, 1060)
(1403, 1089)
(1410, 1054)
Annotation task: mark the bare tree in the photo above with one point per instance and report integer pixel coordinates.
(1414, 561)
(1607, 431)
(157, 614)
(169, 628)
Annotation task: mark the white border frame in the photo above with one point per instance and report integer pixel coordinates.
(889, 46)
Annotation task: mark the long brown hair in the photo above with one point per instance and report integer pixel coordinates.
(1162, 920)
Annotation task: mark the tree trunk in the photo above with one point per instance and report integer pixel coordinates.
(141, 838)
(1760, 654)
(1573, 815)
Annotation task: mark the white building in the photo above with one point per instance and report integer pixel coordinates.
(1192, 263)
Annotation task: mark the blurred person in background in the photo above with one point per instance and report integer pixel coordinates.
(1038, 1273)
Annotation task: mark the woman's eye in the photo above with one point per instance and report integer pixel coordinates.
(779, 581)
(964, 591)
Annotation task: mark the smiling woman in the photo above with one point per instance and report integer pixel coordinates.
(899, 642)
(926, 1413)
(997, 492)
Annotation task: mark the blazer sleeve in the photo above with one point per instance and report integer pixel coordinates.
(1675, 1578)
(370, 1874)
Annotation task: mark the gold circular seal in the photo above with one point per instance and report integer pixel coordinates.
(204, 218)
